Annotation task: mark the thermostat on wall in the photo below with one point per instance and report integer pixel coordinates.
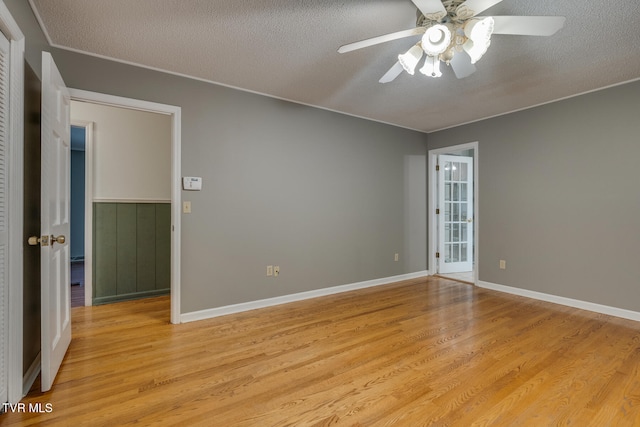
(192, 183)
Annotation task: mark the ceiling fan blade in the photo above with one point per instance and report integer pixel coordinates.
(528, 25)
(433, 8)
(392, 73)
(462, 66)
(418, 31)
(473, 7)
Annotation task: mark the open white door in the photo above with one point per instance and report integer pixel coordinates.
(455, 220)
(54, 243)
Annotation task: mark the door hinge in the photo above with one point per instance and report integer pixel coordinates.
(437, 168)
(437, 254)
(437, 211)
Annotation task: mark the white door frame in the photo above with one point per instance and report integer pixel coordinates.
(433, 202)
(88, 208)
(175, 113)
(15, 198)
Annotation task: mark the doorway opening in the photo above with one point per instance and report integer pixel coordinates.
(101, 203)
(130, 182)
(77, 222)
(453, 213)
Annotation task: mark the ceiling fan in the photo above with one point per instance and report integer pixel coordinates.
(453, 33)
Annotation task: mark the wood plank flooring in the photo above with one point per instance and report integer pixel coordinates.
(422, 352)
(77, 284)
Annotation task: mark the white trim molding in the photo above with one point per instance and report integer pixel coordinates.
(11, 30)
(31, 374)
(176, 144)
(115, 200)
(269, 302)
(88, 208)
(432, 198)
(569, 302)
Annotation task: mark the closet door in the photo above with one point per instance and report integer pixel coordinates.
(4, 232)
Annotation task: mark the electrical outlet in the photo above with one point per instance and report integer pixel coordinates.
(276, 270)
(186, 207)
(503, 264)
(269, 270)
(396, 257)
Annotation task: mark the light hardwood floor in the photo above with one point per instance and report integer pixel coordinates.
(421, 352)
(77, 284)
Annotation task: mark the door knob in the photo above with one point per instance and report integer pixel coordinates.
(469, 219)
(60, 239)
(35, 240)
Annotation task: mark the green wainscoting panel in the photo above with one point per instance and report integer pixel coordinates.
(132, 250)
(126, 248)
(146, 249)
(163, 246)
(104, 250)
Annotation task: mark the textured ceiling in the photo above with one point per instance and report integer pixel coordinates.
(288, 49)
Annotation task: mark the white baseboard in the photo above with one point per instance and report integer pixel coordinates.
(583, 305)
(31, 375)
(252, 305)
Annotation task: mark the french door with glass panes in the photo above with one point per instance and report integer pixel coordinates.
(455, 214)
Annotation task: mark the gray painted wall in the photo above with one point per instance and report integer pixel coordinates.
(330, 198)
(327, 197)
(559, 197)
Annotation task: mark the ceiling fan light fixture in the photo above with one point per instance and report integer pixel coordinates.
(409, 60)
(447, 28)
(448, 54)
(431, 67)
(463, 12)
(436, 39)
(478, 32)
(476, 50)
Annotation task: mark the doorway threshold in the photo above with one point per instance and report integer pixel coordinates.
(465, 277)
